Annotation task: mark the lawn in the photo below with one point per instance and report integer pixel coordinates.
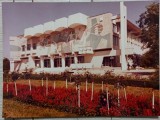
(16, 109)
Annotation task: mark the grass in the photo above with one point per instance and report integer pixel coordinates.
(16, 109)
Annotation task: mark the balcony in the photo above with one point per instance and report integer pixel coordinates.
(43, 50)
(61, 24)
(53, 49)
(77, 19)
(48, 27)
(28, 32)
(38, 30)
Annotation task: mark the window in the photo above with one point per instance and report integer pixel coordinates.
(58, 62)
(34, 46)
(23, 47)
(115, 41)
(47, 63)
(114, 28)
(109, 61)
(80, 59)
(28, 46)
(69, 61)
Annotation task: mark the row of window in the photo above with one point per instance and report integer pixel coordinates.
(58, 62)
(107, 61)
(34, 46)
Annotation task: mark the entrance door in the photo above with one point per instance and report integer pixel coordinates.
(109, 61)
(37, 63)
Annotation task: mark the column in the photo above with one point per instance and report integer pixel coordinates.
(52, 61)
(42, 62)
(63, 61)
(11, 66)
(75, 58)
(31, 62)
(123, 23)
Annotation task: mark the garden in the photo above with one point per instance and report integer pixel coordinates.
(87, 95)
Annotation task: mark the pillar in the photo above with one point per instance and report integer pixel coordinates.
(75, 58)
(52, 61)
(42, 62)
(12, 66)
(63, 61)
(123, 23)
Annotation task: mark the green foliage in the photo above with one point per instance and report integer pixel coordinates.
(6, 65)
(149, 24)
(108, 78)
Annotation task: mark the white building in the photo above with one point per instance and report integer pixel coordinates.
(76, 41)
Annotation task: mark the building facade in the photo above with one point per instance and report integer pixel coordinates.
(76, 42)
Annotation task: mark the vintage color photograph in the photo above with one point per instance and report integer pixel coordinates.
(81, 59)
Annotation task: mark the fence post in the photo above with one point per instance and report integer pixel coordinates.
(42, 82)
(46, 86)
(7, 87)
(107, 99)
(66, 83)
(102, 85)
(92, 90)
(79, 99)
(125, 94)
(86, 85)
(15, 85)
(30, 85)
(54, 85)
(152, 99)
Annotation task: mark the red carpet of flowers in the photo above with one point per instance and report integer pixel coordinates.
(66, 100)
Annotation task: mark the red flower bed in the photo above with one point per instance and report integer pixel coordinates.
(67, 100)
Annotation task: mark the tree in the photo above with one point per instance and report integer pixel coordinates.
(6, 65)
(149, 24)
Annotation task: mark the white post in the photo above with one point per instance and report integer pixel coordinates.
(86, 85)
(46, 86)
(123, 22)
(153, 100)
(30, 85)
(7, 87)
(92, 91)
(54, 85)
(125, 94)
(66, 84)
(15, 85)
(75, 58)
(102, 85)
(42, 82)
(42, 62)
(79, 99)
(118, 98)
(52, 62)
(107, 99)
(76, 88)
(63, 61)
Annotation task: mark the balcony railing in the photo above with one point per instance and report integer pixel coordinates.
(43, 50)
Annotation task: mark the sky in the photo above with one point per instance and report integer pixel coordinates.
(18, 16)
